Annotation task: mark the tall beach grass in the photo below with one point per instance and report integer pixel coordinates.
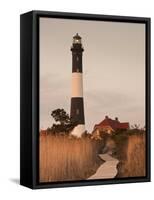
(132, 157)
(62, 158)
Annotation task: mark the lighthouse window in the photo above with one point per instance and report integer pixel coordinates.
(77, 58)
(77, 111)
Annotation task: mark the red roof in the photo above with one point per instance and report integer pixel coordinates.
(124, 125)
(114, 124)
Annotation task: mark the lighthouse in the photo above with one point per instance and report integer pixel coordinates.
(77, 102)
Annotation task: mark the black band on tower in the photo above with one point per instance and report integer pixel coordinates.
(77, 50)
(77, 62)
(77, 110)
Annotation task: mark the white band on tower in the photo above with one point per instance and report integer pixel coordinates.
(77, 85)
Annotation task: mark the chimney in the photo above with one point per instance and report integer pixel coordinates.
(116, 118)
(106, 117)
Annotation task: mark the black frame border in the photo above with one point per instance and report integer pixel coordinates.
(35, 15)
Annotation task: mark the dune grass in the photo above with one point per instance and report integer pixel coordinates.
(63, 158)
(66, 159)
(132, 156)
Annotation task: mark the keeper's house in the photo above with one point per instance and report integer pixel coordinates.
(109, 125)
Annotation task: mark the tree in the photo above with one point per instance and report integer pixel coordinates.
(65, 123)
(60, 115)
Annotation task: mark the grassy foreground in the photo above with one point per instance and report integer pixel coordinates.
(63, 158)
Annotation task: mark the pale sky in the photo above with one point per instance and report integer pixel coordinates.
(113, 69)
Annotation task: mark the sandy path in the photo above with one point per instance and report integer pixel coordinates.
(107, 169)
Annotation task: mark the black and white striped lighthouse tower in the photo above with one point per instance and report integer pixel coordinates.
(77, 103)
